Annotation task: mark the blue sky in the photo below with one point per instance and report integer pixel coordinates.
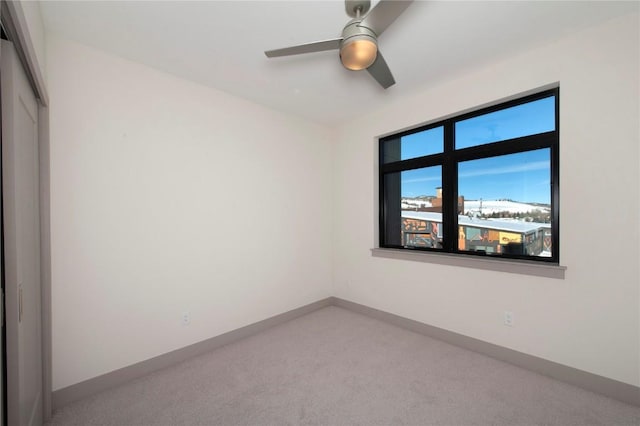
(524, 177)
(522, 120)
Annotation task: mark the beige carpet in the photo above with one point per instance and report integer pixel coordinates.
(335, 367)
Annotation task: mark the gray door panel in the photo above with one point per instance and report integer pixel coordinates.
(20, 173)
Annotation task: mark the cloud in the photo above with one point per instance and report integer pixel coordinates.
(489, 171)
(517, 168)
(423, 179)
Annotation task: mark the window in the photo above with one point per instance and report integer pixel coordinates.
(482, 183)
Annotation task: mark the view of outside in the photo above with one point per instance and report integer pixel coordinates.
(504, 203)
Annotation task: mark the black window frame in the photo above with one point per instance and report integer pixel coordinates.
(449, 160)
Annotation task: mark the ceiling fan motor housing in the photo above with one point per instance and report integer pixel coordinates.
(359, 46)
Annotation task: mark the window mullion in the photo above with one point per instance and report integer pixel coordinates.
(513, 146)
(449, 190)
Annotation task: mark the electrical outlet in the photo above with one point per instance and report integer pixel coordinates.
(508, 318)
(186, 318)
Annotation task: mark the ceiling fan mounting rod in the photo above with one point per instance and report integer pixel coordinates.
(357, 8)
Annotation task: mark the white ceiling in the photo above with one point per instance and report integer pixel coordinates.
(221, 43)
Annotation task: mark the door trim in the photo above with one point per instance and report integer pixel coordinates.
(15, 24)
(45, 260)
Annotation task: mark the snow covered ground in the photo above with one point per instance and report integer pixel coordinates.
(489, 206)
(413, 203)
(482, 207)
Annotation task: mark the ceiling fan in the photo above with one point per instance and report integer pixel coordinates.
(359, 41)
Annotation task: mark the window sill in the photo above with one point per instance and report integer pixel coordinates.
(522, 267)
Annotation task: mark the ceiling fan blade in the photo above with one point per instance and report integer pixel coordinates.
(381, 72)
(316, 46)
(383, 15)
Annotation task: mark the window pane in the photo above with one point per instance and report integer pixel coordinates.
(413, 208)
(523, 120)
(507, 204)
(415, 145)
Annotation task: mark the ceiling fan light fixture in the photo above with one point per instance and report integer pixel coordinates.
(359, 52)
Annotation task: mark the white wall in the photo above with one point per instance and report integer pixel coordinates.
(591, 319)
(168, 196)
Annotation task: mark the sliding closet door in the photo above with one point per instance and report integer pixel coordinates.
(20, 195)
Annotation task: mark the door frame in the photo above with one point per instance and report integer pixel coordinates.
(15, 25)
